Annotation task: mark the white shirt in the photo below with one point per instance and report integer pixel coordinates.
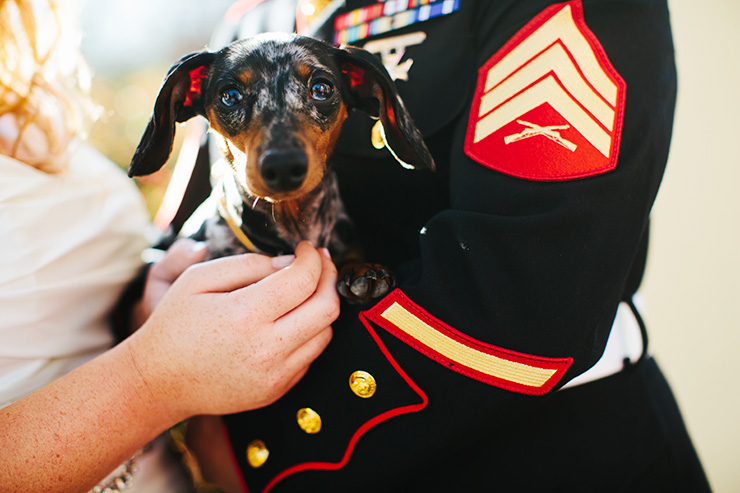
(69, 244)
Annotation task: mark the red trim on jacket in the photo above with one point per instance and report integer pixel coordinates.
(333, 466)
(500, 367)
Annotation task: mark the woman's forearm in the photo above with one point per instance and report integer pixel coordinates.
(72, 433)
(230, 335)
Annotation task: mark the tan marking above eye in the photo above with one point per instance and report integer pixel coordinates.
(304, 70)
(246, 77)
(317, 143)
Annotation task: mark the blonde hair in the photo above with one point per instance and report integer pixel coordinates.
(44, 83)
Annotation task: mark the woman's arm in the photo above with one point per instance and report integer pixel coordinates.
(230, 335)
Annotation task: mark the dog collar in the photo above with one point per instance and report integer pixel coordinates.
(233, 219)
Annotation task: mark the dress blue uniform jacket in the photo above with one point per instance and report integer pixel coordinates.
(550, 124)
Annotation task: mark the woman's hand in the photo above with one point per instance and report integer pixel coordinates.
(229, 335)
(181, 255)
(236, 333)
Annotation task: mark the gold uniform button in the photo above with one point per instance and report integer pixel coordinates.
(362, 384)
(257, 453)
(309, 420)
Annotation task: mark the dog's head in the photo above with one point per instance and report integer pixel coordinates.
(277, 104)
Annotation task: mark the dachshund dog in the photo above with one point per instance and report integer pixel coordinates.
(276, 104)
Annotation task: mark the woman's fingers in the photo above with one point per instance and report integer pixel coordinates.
(304, 355)
(256, 323)
(232, 273)
(277, 294)
(181, 255)
(296, 364)
(318, 311)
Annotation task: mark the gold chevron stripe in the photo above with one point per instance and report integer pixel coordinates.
(556, 60)
(545, 91)
(560, 26)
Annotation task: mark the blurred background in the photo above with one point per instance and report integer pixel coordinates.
(692, 284)
(130, 46)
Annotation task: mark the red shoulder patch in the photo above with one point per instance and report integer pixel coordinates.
(549, 105)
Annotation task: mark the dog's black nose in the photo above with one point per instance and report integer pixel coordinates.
(283, 170)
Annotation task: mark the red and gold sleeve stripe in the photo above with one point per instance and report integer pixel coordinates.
(500, 367)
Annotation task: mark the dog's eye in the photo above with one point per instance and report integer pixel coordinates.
(231, 97)
(321, 90)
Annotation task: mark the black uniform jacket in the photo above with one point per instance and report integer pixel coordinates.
(550, 126)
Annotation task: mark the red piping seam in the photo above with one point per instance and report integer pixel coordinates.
(561, 365)
(333, 466)
(329, 466)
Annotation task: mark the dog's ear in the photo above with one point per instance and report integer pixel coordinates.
(179, 100)
(373, 91)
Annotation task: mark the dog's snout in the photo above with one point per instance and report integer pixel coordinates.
(283, 170)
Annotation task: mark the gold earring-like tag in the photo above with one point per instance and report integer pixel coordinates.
(376, 135)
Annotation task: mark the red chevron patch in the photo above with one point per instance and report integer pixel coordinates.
(549, 105)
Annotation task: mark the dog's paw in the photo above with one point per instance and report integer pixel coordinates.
(363, 282)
